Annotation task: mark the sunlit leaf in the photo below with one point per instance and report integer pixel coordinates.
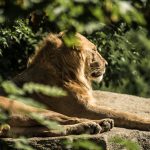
(52, 125)
(11, 88)
(23, 143)
(128, 144)
(44, 89)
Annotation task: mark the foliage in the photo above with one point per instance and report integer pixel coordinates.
(128, 54)
(124, 143)
(52, 125)
(3, 116)
(71, 14)
(16, 44)
(23, 144)
(82, 144)
(17, 93)
(46, 90)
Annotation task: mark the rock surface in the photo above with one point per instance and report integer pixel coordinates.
(134, 104)
(124, 102)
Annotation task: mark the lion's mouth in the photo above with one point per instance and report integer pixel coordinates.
(96, 74)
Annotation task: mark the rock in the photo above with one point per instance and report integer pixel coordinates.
(123, 102)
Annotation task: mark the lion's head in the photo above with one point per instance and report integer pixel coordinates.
(79, 62)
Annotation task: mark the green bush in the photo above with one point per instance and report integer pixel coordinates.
(127, 52)
(16, 44)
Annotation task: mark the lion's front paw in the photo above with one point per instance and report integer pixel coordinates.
(92, 128)
(106, 124)
(84, 128)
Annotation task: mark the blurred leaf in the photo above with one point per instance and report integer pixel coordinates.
(27, 101)
(3, 116)
(82, 144)
(52, 125)
(44, 89)
(11, 88)
(128, 144)
(23, 144)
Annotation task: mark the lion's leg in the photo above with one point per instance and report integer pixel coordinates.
(89, 127)
(21, 123)
(121, 119)
(94, 112)
(80, 128)
(20, 114)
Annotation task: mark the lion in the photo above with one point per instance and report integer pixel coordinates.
(73, 69)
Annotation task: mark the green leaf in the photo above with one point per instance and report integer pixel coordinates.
(82, 144)
(22, 143)
(11, 88)
(27, 101)
(44, 89)
(128, 144)
(52, 125)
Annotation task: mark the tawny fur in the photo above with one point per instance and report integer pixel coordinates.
(70, 68)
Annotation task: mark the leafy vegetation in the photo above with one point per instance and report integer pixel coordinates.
(16, 44)
(82, 144)
(127, 55)
(125, 143)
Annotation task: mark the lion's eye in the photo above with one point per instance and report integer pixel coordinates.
(94, 49)
(93, 58)
(94, 64)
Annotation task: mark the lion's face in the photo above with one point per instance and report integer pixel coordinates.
(96, 66)
(71, 63)
(94, 62)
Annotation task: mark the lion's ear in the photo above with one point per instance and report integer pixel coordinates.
(54, 40)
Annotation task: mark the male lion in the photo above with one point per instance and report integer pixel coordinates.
(73, 69)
